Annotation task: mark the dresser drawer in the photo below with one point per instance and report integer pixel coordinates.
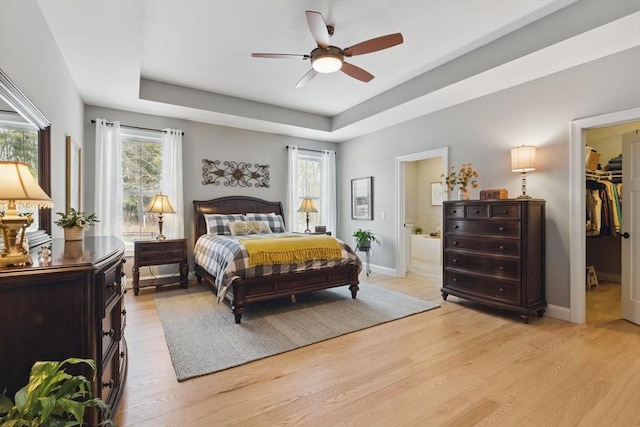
(492, 228)
(109, 281)
(456, 211)
(504, 210)
(110, 329)
(110, 379)
(488, 245)
(476, 211)
(483, 287)
(502, 267)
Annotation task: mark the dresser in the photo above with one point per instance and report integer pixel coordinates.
(70, 305)
(494, 253)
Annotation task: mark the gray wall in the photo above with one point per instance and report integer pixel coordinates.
(31, 58)
(483, 131)
(204, 141)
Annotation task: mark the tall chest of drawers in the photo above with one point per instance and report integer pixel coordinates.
(70, 305)
(494, 253)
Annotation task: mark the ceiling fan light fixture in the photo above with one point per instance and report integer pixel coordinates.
(327, 61)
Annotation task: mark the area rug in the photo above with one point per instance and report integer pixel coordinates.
(203, 338)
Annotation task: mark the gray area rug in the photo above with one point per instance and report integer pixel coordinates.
(203, 338)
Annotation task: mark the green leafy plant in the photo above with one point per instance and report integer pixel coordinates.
(52, 398)
(418, 230)
(75, 219)
(364, 238)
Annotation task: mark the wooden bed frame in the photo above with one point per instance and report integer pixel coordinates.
(244, 291)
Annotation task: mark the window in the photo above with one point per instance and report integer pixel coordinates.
(141, 176)
(19, 142)
(309, 186)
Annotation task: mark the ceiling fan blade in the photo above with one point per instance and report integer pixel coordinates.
(279, 55)
(356, 72)
(374, 45)
(307, 78)
(318, 28)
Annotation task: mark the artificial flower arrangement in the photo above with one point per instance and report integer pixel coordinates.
(76, 219)
(463, 178)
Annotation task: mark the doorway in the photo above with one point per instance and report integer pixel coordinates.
(604, 177)
(417, 210)
(578, 254)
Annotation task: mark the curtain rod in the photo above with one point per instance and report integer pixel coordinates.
(309, 149)
(134, 127)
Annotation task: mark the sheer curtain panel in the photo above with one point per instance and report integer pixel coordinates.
(328, 216)
(108, 189)
(292, 191)
(171, 181)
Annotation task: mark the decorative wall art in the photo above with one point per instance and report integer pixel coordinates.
(232, 174)
(362, 198)
(74, 175)
(437, 193)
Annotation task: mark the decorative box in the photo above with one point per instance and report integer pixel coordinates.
(496, 193)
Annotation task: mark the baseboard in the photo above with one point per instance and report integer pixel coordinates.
(609, 277)
(382, 270)
(558, 312)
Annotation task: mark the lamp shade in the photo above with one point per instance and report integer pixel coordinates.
(307, 205)
(160, 204)
(19, 186)
(523, 158)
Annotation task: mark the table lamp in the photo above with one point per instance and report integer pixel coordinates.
(18, 188)
(160, 204)
(307, 206)
(523, 160)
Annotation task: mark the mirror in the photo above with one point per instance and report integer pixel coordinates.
(18, 102)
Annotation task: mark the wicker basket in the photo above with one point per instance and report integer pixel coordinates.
(73, 233)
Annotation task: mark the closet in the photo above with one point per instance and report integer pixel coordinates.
(604, 214)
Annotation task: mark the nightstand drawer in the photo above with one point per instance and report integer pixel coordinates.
(160, 256)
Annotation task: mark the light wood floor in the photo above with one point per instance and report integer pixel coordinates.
(458, 365)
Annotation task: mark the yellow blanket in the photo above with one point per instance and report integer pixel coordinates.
(292, 249)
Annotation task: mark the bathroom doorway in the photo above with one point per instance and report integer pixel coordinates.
(419, 216)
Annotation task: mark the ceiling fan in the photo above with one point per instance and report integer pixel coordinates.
(328, 59)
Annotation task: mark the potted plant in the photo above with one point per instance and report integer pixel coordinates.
(364, 239)
(52, 398)
(74, 223)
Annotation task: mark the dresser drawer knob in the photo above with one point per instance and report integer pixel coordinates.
(501, 268)
(477, 211)
(455, 279)
(122, 354)
(455, 261)
(112, 285)
(110, 384)
(124, 312)
(109, 333)
(505, 211)
(454, 211)
(455, 243)
(501, 247)
(501, 289)
(456, 227)
(501, 228)
(122, 274)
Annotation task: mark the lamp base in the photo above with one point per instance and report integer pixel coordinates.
(523, 196)
(161, 237)
(10, 224)
(14, 258)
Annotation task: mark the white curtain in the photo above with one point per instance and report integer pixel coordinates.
(329, 215)
(292, 191)
(108, 188)
(171, 182)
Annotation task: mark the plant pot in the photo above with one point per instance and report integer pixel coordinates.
(364, 246)
(73, 234)
(464, 194)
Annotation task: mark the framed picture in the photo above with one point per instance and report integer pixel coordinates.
(362, 198)
(436, 193)
(74, 175)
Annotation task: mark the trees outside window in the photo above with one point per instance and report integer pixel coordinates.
(309, 186)
(141, 175)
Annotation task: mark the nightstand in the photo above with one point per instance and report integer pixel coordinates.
(159, 252)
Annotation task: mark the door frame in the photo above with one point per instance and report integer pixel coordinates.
(401, 253)
(577, 245)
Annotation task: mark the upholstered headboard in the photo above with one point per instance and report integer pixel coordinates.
(230, 205)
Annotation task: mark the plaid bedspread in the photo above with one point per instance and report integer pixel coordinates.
(226, 259)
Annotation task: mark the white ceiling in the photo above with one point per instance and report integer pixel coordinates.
(191, 59)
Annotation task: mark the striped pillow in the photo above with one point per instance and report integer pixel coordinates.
(219, 223)
(276, 223)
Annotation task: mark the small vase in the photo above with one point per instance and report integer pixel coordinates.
(464, 194)
(73, 233)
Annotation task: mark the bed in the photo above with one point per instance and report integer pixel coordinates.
(244, 289)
